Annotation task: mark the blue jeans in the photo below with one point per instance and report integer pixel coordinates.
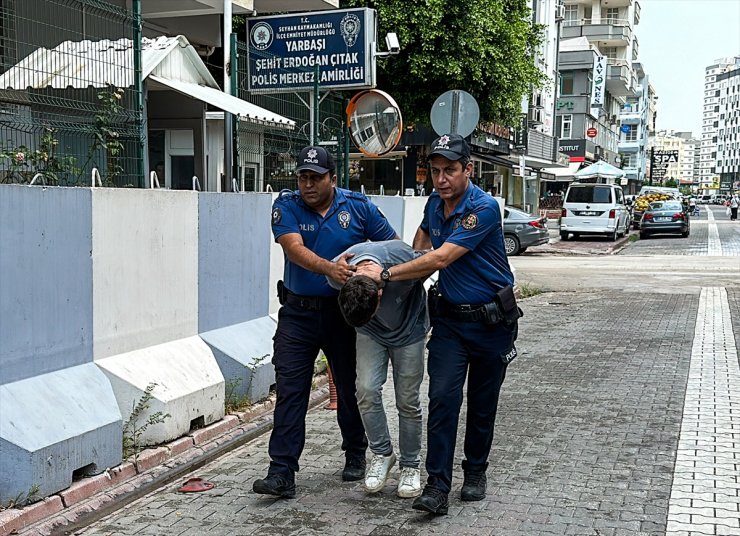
(408, 372)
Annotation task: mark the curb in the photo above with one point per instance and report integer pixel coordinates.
(92, 498)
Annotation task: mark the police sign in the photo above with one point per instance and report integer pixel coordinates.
(287, 52)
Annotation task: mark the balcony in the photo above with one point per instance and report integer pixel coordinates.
(635, 49)
(630, 147)
(619, 78)
(540, 145)
(637, 12)
(630, 117)
(609, 32)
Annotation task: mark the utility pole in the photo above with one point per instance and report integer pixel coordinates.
(559, 17)
(652, 164)
(228, 125)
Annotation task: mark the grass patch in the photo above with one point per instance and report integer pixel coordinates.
(528, 290)
(634, 237)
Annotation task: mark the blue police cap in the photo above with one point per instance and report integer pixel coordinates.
(315, 159)
(451, 146)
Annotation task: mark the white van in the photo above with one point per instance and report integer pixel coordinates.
(590, 209)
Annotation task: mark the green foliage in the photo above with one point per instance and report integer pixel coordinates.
(23, 499)
(485, 47)
(528, 290)
(670, 183)
(233, 401)
(22, 163)
(133, 427)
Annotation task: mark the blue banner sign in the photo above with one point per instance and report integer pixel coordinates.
(287, 51)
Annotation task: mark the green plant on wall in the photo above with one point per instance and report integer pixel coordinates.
(233, 401)
(134, 427)
(22, 163)
(23, 498)
(106, 138)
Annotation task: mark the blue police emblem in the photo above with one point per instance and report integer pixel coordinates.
(277, 215)
(470, 222)
(344, 218)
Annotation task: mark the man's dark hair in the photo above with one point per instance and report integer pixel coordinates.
(358, 300)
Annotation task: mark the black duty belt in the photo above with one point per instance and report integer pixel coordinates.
(312, 303)
(466, 313)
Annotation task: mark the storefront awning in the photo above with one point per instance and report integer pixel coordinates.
(215, 97)
(560, 173)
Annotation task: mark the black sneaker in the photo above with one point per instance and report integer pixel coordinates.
(354, 468)
(432, 500)
(474, 486)
(278, 485)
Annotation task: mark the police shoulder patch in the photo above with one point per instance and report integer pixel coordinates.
(286, 192)
(357, 195)
(470, 222)
(277, 215)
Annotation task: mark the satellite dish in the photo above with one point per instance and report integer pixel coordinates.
(455, 112)
(374, 122)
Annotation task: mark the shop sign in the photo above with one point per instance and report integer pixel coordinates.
(286, 52)
(599, 81)
(591, 132)
(575, 149)
(566, 105)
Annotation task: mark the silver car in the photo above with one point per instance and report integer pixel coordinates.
(522, 230)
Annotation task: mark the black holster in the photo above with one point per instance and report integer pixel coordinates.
(506, 301)
(282, 292)
(434, 301)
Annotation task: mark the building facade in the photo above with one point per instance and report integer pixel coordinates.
(710, 118)
(681, 171)
(634, 130)
(728, 131)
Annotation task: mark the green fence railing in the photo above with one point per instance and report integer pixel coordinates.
(68, 102)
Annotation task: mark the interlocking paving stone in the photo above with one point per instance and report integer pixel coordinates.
(586, 442)
(707, 470)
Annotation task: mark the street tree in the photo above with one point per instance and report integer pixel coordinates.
(485, 47)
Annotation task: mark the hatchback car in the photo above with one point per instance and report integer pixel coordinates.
(665, 217)
(522, 230)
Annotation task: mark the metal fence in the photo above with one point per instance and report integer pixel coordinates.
(65, 106)
(276, 150)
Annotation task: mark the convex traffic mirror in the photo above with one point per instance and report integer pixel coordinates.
(374, 121)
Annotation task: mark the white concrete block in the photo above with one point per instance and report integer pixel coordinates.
(54, 424)
(244, 353)
(190, 386)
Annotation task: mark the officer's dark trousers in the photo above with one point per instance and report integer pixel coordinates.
(299, 336)
(458, 349)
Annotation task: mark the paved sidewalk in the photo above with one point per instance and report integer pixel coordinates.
(586, 442)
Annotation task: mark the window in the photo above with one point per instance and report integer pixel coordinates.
(566, 126)
(610, 52)
(571, 15)
(589, 194)
(612, 15)
(631, 135)
(566, 84)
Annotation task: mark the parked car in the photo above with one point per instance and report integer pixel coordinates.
(522, 230)
(594, 209)
(665, 217)
(705, 199)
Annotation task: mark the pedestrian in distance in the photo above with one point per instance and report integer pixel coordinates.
(473, 315)
(313, 225)
(392, 323)
(734, 203)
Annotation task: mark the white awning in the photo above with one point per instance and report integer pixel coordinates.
(228, 103)
(561, 173)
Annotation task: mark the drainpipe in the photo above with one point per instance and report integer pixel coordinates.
(228, 130)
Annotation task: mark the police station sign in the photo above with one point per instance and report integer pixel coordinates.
(285, 51)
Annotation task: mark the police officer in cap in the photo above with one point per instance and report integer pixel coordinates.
(313, 225)
(474, 319)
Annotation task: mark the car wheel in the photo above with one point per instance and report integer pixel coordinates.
(564, 235)
(511, 243)
(685, 234)
(613, 236)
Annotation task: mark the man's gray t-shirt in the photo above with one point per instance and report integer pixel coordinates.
(402, 317)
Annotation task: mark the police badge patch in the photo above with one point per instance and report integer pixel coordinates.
(344, 218)
(277, 215)
(470, 222)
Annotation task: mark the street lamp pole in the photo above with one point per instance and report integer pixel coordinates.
(559, 17)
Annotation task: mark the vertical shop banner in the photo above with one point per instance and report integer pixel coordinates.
(599, 82)
(286, 50)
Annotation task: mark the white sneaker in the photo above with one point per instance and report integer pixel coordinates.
(377, 472)
(409, 485)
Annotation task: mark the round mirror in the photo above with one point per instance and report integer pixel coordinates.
(374, 121)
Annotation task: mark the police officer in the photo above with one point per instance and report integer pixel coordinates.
(474, 321)
(313, 225)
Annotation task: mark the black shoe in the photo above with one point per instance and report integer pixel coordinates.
(432, 500)
(278, 485)
(474, 486)
(354, 468)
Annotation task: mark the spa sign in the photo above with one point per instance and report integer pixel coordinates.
(289, 52)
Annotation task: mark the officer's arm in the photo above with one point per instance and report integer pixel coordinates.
(422, 240)
(420, 267)
(299, 254)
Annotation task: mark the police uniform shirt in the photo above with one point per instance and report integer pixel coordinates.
(351, 219)
(402, 317)
(475, 224)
